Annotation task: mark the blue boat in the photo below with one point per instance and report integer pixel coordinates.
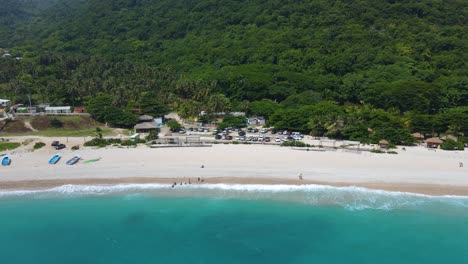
(55, 159)
(6, 160)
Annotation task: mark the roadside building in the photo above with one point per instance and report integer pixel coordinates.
(53, 110)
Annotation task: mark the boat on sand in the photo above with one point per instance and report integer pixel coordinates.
(55, 159)
(73, 160)
(6, 160)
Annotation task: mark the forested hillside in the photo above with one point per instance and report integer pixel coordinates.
(403, 59)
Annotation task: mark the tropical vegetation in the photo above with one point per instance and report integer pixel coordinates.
(361, 70)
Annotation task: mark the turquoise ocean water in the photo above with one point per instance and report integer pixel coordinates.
(230, 224)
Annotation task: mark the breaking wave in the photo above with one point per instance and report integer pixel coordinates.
(351, 198)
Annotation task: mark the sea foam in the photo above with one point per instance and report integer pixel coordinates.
(352, 198)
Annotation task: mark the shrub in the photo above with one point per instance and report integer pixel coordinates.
(129, 143)
(377, 151)
(153, 134)
(174, 125)
(450, 144)
(38, 145)
(235, 142)
(9, 145)
(56, 123)
(75, 148)
(392, 152)
(299, 144)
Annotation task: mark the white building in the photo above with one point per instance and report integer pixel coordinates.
(58, 110)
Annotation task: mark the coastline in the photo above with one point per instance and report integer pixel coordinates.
(425, 189)
(413, 170)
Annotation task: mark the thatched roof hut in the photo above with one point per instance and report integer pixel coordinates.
(444, 138)
(145, 127)
(418, 135)
(433, 142)
(146, 118)
(383, 143)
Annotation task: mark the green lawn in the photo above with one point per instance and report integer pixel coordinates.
(8, 145)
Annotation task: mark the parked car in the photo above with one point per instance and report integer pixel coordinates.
(255, 130)
(241, 133)
(267, 139)
(277, 139)
(218, 136)
(182, 131)
(273, 131)
(60, 146)
(55, 143)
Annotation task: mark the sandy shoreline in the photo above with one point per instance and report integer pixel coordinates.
(415, 169)
(427, 189)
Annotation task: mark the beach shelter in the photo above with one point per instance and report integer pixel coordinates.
(146, 118)
(145, 127)
(383, 143)
(445, 138)
(418, 136)
(433, 142)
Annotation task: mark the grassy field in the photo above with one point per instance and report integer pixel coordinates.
(59, 132)
(71, 126)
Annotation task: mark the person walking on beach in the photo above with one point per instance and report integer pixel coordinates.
(460, 164)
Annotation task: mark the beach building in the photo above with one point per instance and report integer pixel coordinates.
(383, 144)
(433, 142)
(52, 110)
(145, 127)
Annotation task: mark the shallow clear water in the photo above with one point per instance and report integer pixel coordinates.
(230, 224)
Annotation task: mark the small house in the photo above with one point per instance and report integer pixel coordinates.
(256, 121)
(433, 142)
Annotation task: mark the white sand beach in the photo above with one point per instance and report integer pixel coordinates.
(415, 169)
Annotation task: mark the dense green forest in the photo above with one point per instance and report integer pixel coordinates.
(355, 69)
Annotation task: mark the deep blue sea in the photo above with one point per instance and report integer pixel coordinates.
(230, 224)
